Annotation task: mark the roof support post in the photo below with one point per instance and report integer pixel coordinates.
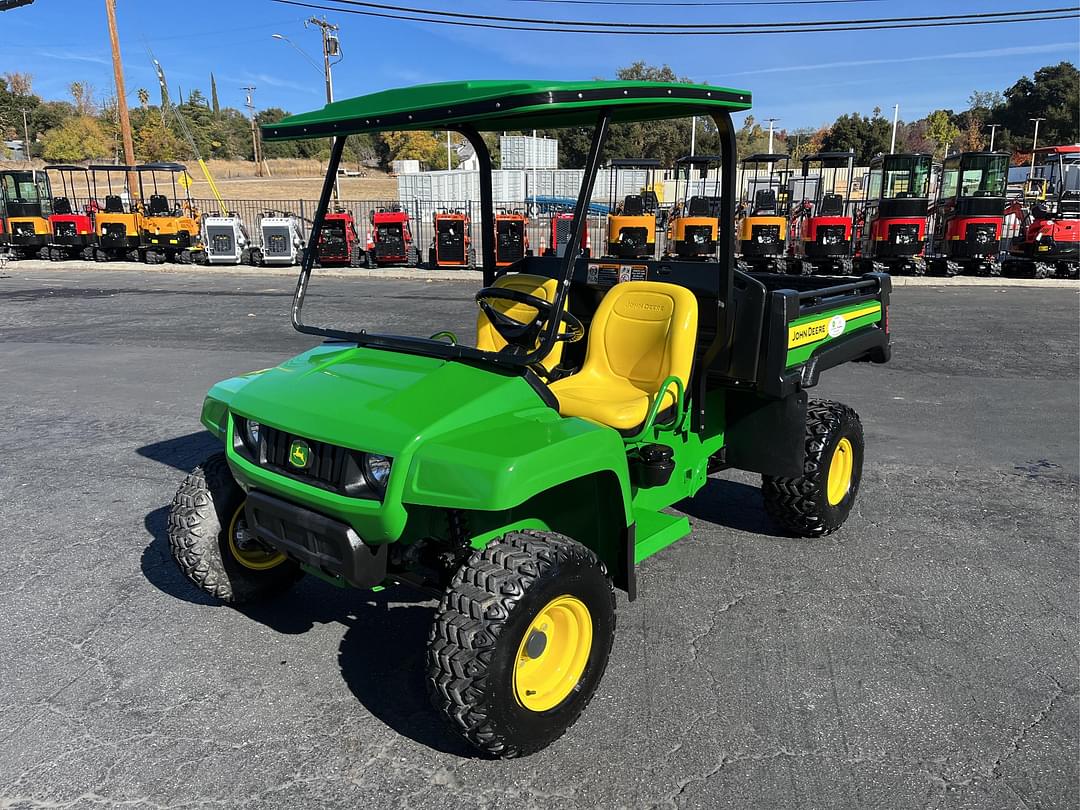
(487, 203)
(313, 240)
(718, 355)
(577, 230)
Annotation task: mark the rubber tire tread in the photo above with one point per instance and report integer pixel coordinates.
(798, 504)
(461, 645)
(195, 529)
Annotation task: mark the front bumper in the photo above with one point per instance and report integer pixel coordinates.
(315, 540)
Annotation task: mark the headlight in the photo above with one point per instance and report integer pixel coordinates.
(251, 434)
(377, 470)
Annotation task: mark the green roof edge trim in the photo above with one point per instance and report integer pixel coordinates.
(502, 105)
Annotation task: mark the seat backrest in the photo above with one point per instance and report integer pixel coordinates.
(698, 207)
(832, 205)
(543, 287)
(644, 332)
(113, 204)
(159, 204)
(61, 205)
(764, 200)
(633, 205)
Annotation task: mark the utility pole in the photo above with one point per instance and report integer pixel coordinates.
(1034, 145)
(331, 46)
(993, 131)
(121, 95)
(771, 122)
(448, 166)
(250, 104)
(26, 137)
(693, 135)
(895, 121)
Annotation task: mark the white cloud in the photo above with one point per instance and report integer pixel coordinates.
(1016, 50)
(71, 56)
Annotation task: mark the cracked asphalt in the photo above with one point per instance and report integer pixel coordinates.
(923, 657)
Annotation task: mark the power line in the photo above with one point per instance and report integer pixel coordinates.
(698, 31)
(704, 3)
(460, 15)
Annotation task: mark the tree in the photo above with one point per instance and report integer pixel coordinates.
(972, 139)
(213, 95)
(155, 141)
(21, 84)
(82, 94)
(79, 138)
(941, 130)
(144, 97)
(865, 136)
(412, 145)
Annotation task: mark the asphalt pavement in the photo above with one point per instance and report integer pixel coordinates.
(926, 656)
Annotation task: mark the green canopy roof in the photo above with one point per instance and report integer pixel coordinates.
(501, 105)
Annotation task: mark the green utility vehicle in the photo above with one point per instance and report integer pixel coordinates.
(524, 476)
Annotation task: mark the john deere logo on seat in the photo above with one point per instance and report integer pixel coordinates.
(299, 454)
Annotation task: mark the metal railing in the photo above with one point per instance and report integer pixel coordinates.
(421, 217)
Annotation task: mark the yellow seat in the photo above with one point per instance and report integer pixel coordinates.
(642, 333)
(540, 286)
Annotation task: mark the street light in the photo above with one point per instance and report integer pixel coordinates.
(331, 47)
(298, 49)
(1034, 145)
(993, 132)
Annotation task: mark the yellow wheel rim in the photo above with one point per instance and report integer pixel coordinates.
(843, 462)
(552, 654)
(254, 558)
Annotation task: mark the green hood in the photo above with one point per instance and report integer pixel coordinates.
(377, 400)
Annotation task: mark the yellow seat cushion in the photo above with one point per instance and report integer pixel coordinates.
(488, 339)
(642, 333)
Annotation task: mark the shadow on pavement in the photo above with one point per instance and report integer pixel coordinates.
(383, 661)
(182, 452)
(381, 654)
(158, 566)
(731, 504)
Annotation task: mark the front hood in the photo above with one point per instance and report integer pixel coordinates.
(376, 400)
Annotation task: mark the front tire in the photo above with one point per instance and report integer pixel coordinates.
(207, 535)
(818, 502)
(520, 642)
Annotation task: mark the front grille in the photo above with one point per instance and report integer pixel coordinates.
(563, 231)
(277, 241)
(221, 242)
(634, 238)
(451, 242)
(64, 228)
(389, 240)
(904, 234)
(982, 233)
(331, 467)
(698, 234)
(765, 234)
(830, 234)
(511, 242)
(23, 229)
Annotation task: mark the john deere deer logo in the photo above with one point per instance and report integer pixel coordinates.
(299, 454)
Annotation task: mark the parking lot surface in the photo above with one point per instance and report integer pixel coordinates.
(923, 657)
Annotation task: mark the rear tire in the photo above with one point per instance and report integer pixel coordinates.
(525, 595)
(819, 501)
(206, 528)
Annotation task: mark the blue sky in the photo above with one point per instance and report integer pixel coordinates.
(803, 79)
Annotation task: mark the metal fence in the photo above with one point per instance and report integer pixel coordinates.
(421, 217)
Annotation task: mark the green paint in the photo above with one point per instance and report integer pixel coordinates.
(494, 106)
(832, 313)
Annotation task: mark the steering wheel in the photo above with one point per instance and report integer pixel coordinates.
(522, 336)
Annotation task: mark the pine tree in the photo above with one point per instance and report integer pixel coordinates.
(213, 96)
